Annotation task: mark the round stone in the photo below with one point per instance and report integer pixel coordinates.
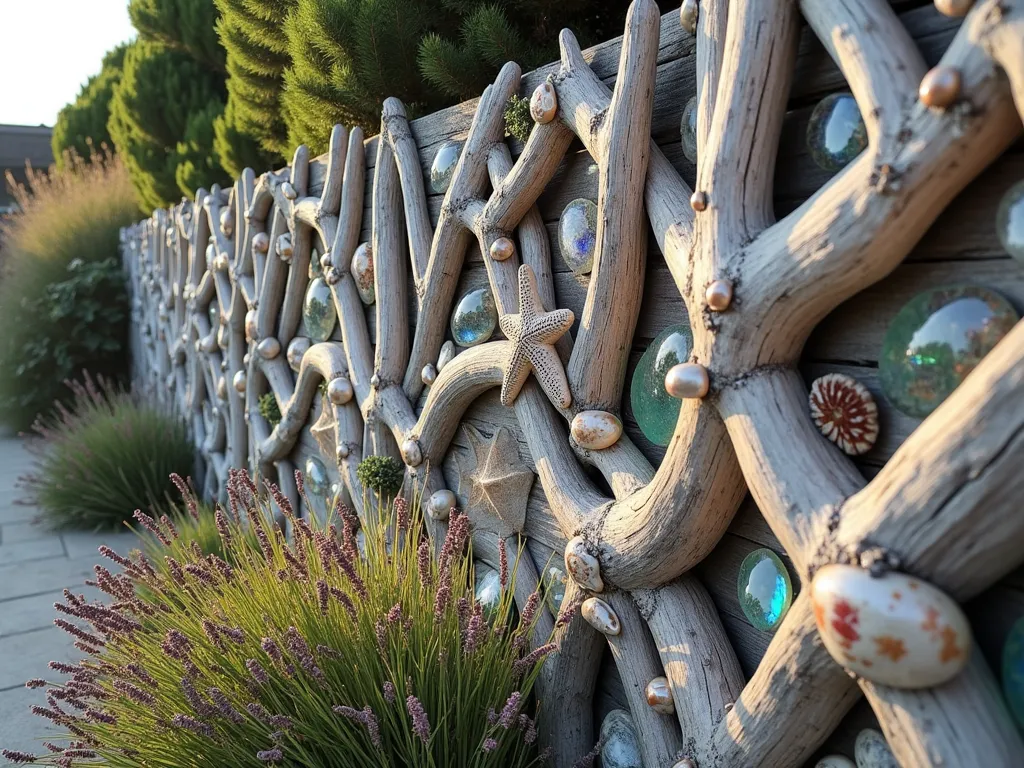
(654, 409)
(317, 480)
(577, 235)
(688, 130)
(318, 311)
(595, 430)
(584, 568)
(411, 453)
(502, 248)
(601, 616)
(1013, 671)
(872, 750)
(429, 374)
(836, 132)
(284, 247)
(238, 381)
(935, 340)
(261, 242)
(892, 629)
(222, 388)
(250, 325)
(835, 761)
(208, 343)
(443, 167)
(544, 103)
(620, 744)
(955, 8)
(718, 295)
(1010, 221)
(339, 390)
(446, 355)
(268, 348)
(940, 87)
(659, 696)
(288, 191)
(474, 318)
(362, 273)
(441, 504)
(297, 348)
(554, 580)
(487, 588)
(764, 589)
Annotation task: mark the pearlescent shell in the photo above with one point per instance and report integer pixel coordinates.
(317, 480)
(687, 380)
(583, 566)
(836, 132)
(620, 744)
(441, 503)
(554, 581)
(362, 272)
(474, 318)
(446, 356)
(544, 103)
(764, 589)
(940, 87)
(935, 340)
(297, 349)
(502, 248)
(659, 696)
(844, 412)
(443, 166)
(655, 410)
(893, 629)
(688, 130)
(487, 588)
(318, 312)
(1013, 671)
(872, 750)
(835, 761)
(339, 390)
(1010, 221)
(595, 430)
(601, 616)
(577, 235)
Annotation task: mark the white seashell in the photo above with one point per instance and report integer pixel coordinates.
(601, 616)
(582, 566)
(362, 272)
(440, 504)
(595, 430)
(892, 629)
(544, 103)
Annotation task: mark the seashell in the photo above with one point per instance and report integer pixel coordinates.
(940, 87)
(583, 567)
(208, 343)
(659, 696)
(892, 629)
(687, 380)
(835, 761)
(688, 15)
(429, 374)
(250, 325)
(446, 356)
(544, 103)
(222, 388)
(239, 381)
(601, 616)
(297, 348)
(411, 453)
(620, 744)
(440, 504)
(268, 348)
(954, 8)
(261, 242)
(719, 295)
(845, 412)
(341, 452)
(502, 248)
(339, 390)
(362, 272)
(595, 430)
(872, 750)
(288, 191)
(284, 247)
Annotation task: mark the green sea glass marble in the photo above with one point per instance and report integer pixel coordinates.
(764, 588)
(1010, 221)
(474, 318)
(318, 310)
(1013, 671)
(688, 130)
(554, 581)
(836, 132)
(935, 340)
(317, 481)
(654, 409)
(443, 166)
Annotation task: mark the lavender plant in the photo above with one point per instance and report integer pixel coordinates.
(303, 653)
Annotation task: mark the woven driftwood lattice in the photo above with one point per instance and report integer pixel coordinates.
(938, 510)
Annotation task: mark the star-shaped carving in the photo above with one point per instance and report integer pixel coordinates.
(533, 333)
(499, 483)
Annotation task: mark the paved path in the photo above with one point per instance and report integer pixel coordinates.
(35, 566)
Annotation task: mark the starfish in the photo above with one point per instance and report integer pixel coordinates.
(533, 333)
(499, 483)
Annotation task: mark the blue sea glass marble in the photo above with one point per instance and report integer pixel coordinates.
(1013, 671)
(654, 409)
(1010, 221)
(487, 588)
(577, 235)
(836, 132)
(318, 310)
(935, 340)
(764, 588)
(474, 318)
(443, 167)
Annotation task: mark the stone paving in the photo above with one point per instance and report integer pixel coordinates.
(35, 567)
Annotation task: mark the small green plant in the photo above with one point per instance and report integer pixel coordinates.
(269, 408)
(305, 654)
(63, 296)
(381, 474)
(518, 121)
(104, 456)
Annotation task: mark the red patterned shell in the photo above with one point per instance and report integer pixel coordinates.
(845, 412)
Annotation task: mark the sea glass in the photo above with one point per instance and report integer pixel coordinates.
(654, 409)
(443, 167)
(620, 743)
(577, 235)
(318, 310)
(935, 340)
(688, 130)
(554, 581)
(487, 589)
(317, 481)
(836, 132)
(474, 318)
(1010, 221)
(764, 588)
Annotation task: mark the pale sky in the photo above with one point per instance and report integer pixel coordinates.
(49, 48)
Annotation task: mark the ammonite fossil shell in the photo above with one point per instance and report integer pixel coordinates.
(845, 412)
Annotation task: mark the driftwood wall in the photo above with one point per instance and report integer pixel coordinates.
(934, 228)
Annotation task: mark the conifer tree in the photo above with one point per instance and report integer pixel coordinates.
(184, 25)
(82, 125)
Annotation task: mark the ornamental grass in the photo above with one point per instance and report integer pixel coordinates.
(302, 653)
(103, 455)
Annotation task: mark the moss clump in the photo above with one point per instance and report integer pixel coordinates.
(269, 409)
(381, 474)
(518, 121)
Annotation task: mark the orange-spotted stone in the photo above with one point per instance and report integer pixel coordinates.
(893, 629)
